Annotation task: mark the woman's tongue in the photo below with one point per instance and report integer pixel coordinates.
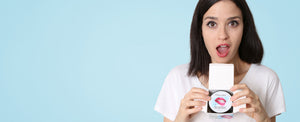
(222, 50)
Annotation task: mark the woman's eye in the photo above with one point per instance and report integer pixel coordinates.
(233, 23)
(211, 24)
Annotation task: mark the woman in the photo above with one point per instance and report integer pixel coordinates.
(222, 31)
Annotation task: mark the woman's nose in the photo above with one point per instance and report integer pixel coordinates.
(222, 33)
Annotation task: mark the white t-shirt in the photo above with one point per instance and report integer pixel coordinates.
(261, 80)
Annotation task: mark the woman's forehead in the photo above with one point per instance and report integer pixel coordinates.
(223, 10)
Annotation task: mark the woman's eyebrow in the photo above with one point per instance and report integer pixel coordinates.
(210, 17)
(234, 17)
(216, 18)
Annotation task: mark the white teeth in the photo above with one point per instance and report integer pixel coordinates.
(223, 46)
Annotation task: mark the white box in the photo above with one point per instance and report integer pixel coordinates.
(221, 77)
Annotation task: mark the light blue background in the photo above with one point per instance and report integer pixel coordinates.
(91, 60)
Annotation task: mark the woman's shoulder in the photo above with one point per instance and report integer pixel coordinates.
(261, 70)
(180, 69)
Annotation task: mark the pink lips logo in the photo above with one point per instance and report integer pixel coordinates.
(220, 101)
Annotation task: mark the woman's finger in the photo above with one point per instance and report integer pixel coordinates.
(247, 110)
(194, 110)
(199, 90)
(239, 86)
(189, 104)
(242, 101)
(200, 96)
(245, 92)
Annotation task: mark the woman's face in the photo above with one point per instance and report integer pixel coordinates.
(222, 31)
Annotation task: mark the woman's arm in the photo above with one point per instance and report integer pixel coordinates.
(167, 120)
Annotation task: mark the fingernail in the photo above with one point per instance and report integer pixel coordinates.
(232, 89)
(207, 92)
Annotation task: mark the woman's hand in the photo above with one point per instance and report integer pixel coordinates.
(254, 108)
(189, 106)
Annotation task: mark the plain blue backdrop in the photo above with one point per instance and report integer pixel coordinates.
(105, 61)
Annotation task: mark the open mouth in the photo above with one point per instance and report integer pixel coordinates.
(223, 50)
(220, 101)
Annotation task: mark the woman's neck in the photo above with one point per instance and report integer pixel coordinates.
(240, 67)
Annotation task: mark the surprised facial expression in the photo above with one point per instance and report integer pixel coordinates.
(222, 31)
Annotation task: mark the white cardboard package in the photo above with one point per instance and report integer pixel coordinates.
(221, 77)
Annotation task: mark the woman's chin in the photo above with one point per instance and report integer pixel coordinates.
(223, 61)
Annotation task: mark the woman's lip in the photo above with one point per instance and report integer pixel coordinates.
(220, 101)
(223, 44)
(222, 55)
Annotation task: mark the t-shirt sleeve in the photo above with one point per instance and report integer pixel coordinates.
(275, 103)
(167, 102)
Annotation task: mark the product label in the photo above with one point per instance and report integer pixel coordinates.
(220, 101)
